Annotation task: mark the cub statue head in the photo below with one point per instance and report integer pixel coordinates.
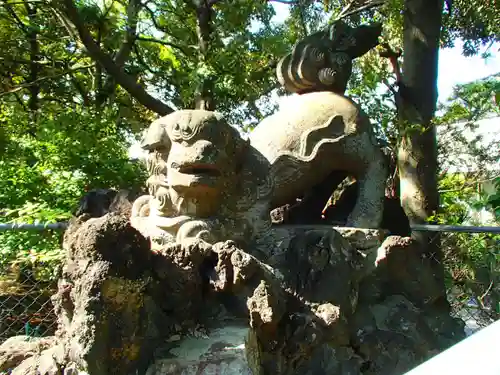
(323, 61)
(202, 171)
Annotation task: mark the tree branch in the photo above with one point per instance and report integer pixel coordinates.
(37, 81)
(108, 90)
(123, 79)
(303, 23)
(22, 2)
(45, 62)
(14, 15)
(346, 12)
(257, 112)
(123, 54)
(184, 50)
(289, 2)
(20, 102)
(469, 184)
(81, 91)
(108, 9)
(156, 24)
(142, 62)
(164, 42)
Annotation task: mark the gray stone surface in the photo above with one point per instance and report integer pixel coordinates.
(323, 132)
(16, 349)
(221, 351)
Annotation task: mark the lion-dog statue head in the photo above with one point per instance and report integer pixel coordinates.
(322, 61)
(204, 178)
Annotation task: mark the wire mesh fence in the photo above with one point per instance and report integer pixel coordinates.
(29, 264)
(471, 262)
(472, 271)
(25, 303)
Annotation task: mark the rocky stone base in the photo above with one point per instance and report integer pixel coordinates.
(218, 351)
(339, 300)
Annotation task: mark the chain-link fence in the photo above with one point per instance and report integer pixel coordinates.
(472, 271)
(29, 266)
(25, 304)
(471, 261)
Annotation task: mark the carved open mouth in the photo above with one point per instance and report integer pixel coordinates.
(200, 170)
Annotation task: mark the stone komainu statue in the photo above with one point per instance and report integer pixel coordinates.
(205, 182)
(324, 131)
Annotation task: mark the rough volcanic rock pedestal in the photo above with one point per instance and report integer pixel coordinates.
(107, 319)
(338, 300)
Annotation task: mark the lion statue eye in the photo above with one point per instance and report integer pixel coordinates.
(180, 133)
(176, 133)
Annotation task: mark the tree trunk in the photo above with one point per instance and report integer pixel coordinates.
(34, 56)
(204, 91)
(417, 152)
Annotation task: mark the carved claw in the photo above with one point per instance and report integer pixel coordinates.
(195, 229)
(140, 207)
